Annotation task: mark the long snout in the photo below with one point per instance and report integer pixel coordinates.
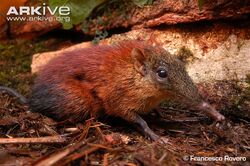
(210, 111)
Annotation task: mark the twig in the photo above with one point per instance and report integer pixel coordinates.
(43, 140)
(105, 159)
(72, 130)
(100, 146)
(206, 136)
(99, 131)
(162, 158)
(130, 164)
(70, 151)
(55, 157)
(86, 152)
(86, 129)
(145, 161)
(246, 147)
(184, 120)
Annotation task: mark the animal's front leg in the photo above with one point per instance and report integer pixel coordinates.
(134, 118)
(144, 127)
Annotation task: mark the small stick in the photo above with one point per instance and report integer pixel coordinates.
(98, 129)
(42, 140)
(184, 120)
(130, 164)
(100, 146)
(162, 158)
(145, 161)
(85, 153)
(105, 159)
(57, 156)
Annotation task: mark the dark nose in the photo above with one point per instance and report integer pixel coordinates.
(210, 111)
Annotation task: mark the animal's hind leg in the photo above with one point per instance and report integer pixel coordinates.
(79, 101)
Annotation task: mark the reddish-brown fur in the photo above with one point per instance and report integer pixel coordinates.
(120, 80)
(109, 82)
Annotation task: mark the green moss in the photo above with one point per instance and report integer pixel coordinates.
(185, 54)
(247, 91)
(15, 62)
(248, 79)
(101, 18)
(99, 36)
(240, 102)
(1, 47)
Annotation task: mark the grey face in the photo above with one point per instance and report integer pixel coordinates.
(170, 75)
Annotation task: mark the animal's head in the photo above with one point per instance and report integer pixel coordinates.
(168, 75)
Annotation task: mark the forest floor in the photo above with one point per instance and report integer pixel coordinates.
(113, 141)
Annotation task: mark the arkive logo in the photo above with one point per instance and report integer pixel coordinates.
(39, 13)
(38, 10)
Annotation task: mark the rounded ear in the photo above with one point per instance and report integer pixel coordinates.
(138, 58)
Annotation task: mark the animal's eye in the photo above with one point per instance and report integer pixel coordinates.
(162, 72)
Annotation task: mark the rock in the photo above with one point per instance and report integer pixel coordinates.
(168, 12)
(5, 7)
(32, 29)
(28, 26)
(126, 14)
(213, 52)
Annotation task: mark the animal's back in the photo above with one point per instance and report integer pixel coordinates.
(66, 87)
